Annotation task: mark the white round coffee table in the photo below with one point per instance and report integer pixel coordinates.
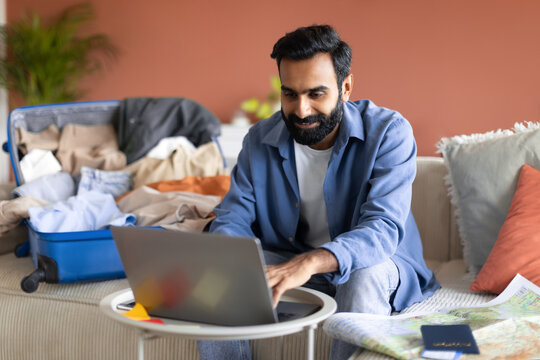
(200, 331)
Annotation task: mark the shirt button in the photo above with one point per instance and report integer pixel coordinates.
(296, 205)
(291, 239)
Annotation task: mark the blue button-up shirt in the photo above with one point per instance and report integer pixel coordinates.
(367, 191)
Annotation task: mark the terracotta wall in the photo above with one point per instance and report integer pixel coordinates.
(450, 66)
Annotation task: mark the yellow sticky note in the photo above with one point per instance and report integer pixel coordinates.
(137, 313)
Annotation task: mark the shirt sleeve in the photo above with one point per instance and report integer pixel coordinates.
(381, 225)
(236, 213)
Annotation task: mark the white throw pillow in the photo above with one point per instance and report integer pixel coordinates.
(483, 170)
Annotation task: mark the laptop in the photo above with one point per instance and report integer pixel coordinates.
(201, 277)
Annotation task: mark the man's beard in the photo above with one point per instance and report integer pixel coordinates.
(317, 134)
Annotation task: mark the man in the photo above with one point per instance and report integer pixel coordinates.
(325, 184)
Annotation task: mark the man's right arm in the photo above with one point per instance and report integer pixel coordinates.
(236, 213)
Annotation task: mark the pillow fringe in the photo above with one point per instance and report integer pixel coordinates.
(471, 139)
(472, 271)
(476, 138)
(526, 126)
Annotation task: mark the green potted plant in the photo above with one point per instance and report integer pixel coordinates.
(263, 109)
(44, 62)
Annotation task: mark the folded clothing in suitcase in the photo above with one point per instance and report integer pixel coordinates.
(139, 123)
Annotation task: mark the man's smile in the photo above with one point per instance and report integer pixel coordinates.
(306, 126)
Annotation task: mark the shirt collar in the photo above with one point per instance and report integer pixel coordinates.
(352, 125)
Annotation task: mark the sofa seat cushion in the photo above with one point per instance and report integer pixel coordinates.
(57, 321)
(63, 321)
(454, 292)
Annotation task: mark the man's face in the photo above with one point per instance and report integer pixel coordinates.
(311, 102)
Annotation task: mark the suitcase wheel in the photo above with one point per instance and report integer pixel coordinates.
(30, 283)
(23, 249)
(47, 270)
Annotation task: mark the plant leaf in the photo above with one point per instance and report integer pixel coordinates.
(250, 105)
(276, 83)
(264, 111)
(45, 61)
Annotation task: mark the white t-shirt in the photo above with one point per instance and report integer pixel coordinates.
(311, 167)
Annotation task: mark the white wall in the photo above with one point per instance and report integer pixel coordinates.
(4, 158)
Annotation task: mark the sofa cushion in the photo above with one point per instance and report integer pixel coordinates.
(13, 269)
(483, 172)
(63, 321)
(517, 249)
(433, 212)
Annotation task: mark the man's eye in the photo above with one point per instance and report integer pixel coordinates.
(289, 94)
(315, 95)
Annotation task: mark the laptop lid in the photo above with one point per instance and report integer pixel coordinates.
(199, 277)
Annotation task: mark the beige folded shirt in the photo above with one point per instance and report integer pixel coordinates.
(13, 211)
(46, 139)
(94, 146)
(176, 210)
(206, 160)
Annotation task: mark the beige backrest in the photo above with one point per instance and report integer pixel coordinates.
(433, 212)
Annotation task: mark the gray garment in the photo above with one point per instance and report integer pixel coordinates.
(50, 188)
(115, 183)
(142, 122)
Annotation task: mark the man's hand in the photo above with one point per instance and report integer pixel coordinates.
(297, 271)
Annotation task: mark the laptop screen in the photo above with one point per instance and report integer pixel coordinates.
(199, 277)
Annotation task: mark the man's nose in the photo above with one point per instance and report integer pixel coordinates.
(303, 107)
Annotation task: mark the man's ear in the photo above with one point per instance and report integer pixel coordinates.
(346, 88)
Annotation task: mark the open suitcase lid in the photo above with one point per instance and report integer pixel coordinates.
(132, 118)
(38, 118)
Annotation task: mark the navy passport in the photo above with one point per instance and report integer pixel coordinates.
(449, 338)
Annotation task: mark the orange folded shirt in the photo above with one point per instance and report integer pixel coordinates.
(205, 185)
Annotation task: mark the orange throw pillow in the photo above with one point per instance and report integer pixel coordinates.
(517, 249)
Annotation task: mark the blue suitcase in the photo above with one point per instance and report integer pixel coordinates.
(69, 256)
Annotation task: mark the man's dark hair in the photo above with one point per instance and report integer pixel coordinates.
(306, 42)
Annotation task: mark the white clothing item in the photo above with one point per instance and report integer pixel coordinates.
(51, 187)
(38, 163)
(311, 167)
(167, 146)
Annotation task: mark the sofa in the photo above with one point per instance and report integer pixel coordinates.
(63, 321)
